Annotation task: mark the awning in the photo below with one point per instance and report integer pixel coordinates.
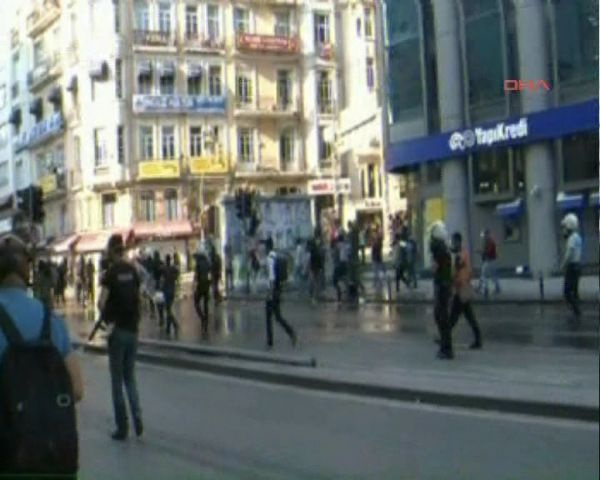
(194, 70)
(72, 85)
(595, 200)
(64, 244)
(35, 107)
(511, 209)
(91, 242)
(55, 95)
(15, 116)
(162, 230)
(167, 69)
(569, 202)
(98, 69)
(144, 68)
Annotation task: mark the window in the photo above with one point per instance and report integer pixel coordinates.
(100, 146)
(370, 74)
(167, 143)
(286, 147)
(119, 78)
(120, 145)
(358, 27)
(580, 157)
(325, 149)
(109, 202)
(324, 93)
(244, 89)
(284, 89)
(191, 22)
(241, 20)
(194, 85)
(38, 53)
(576, 24)
(195, 141)
(171, 204)
(491, 172)
(167, 84)
(322, 33)
(146, 143)
(368, 23)
(142, 15)
(212, 140)
(117, 8)
(282, 24)
(164, 17)
(245, 145)
(372, 174)
(145, 83)
(212, 22)
(214, 81)
(147, 206)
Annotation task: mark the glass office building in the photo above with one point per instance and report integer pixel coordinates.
(493, 120)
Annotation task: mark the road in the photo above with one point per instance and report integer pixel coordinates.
(204, 427)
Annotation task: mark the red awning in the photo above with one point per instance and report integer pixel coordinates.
(90, 242)
(64, 244)
(163, 229)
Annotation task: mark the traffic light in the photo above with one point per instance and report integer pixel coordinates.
(38, 213)
(30, 201)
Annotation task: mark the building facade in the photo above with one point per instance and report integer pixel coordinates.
(493, 120)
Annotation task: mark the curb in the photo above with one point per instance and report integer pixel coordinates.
(477, 402)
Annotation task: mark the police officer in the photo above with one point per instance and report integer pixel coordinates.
(571, 263)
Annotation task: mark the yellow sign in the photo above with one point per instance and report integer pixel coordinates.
(159, 169)
(434, 210)
(48, 184)
(208, 164)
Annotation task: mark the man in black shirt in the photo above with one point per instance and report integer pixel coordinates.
(119, 303)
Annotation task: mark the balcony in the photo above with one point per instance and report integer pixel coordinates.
(267, 107)
(203, 43)
(153, 38)
(158, 169)
(41, 18)
(208, 164)
(46, 70)
(267, 44)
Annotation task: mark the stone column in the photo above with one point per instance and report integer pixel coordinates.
(539, 166)
(450, 80)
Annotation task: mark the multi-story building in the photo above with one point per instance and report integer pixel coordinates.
(143, 115)
(494, 120)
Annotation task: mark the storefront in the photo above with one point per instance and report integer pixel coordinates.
(500, 193)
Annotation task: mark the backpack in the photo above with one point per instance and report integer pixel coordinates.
(38, 429)
(281, 269)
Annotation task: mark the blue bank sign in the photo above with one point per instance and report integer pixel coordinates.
(41, 132)
(200, 104)
(544, 125)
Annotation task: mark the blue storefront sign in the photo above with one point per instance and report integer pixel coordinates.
(200, 104)
(41, 132)
(547, 124)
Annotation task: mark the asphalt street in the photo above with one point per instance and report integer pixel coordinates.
(204, 427)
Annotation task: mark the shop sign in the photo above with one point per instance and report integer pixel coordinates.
(480, 137)
(267, 43)
(41, 132)
(48, 184)
(530, 85)
(328, 187)
(371, 204)
(208, 164)
(158, 169)
(178, 104)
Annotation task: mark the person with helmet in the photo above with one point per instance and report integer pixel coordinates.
(571, 263)
(442, 284)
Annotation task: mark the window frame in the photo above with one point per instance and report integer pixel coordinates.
(245, 141)
(168, 142)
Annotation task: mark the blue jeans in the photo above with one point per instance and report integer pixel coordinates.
(122, 350)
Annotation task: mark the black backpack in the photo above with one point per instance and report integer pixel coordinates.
(38, 427)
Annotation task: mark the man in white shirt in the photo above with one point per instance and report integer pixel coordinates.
(571, 263)
(273, 304)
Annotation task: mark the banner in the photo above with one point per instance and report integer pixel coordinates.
(201, 104)
(208, 164)
(159, 169)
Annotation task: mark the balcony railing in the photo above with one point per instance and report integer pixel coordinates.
(195, 40)
(47, 69)
(268, 106)
(40, 18)
(247, 42)
(153, 38)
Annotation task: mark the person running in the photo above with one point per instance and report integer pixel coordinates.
(571, 262)
(273, 303)
(119, 302)
(442, 280)
(201, 287)
(462, 292)
(169, 287)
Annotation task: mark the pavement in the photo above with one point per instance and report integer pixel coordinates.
(206, 427)
(535, 360)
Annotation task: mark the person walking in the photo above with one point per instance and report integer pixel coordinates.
(202, 287)
(81, 282)
(168, 287)
(315, 267)
(228, 268)
(216, 269)
(571, 262)
(341, 259)
(119, 302)
(442, 280)
(90, 279)
(400, 262)
(43, 286)
(489, 256)
(377, 259)
(412, 254)
(462, 291)
(362, 243)
(299, 263)
(275, 267)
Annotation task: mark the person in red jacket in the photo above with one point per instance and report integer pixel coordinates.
(489, 255)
